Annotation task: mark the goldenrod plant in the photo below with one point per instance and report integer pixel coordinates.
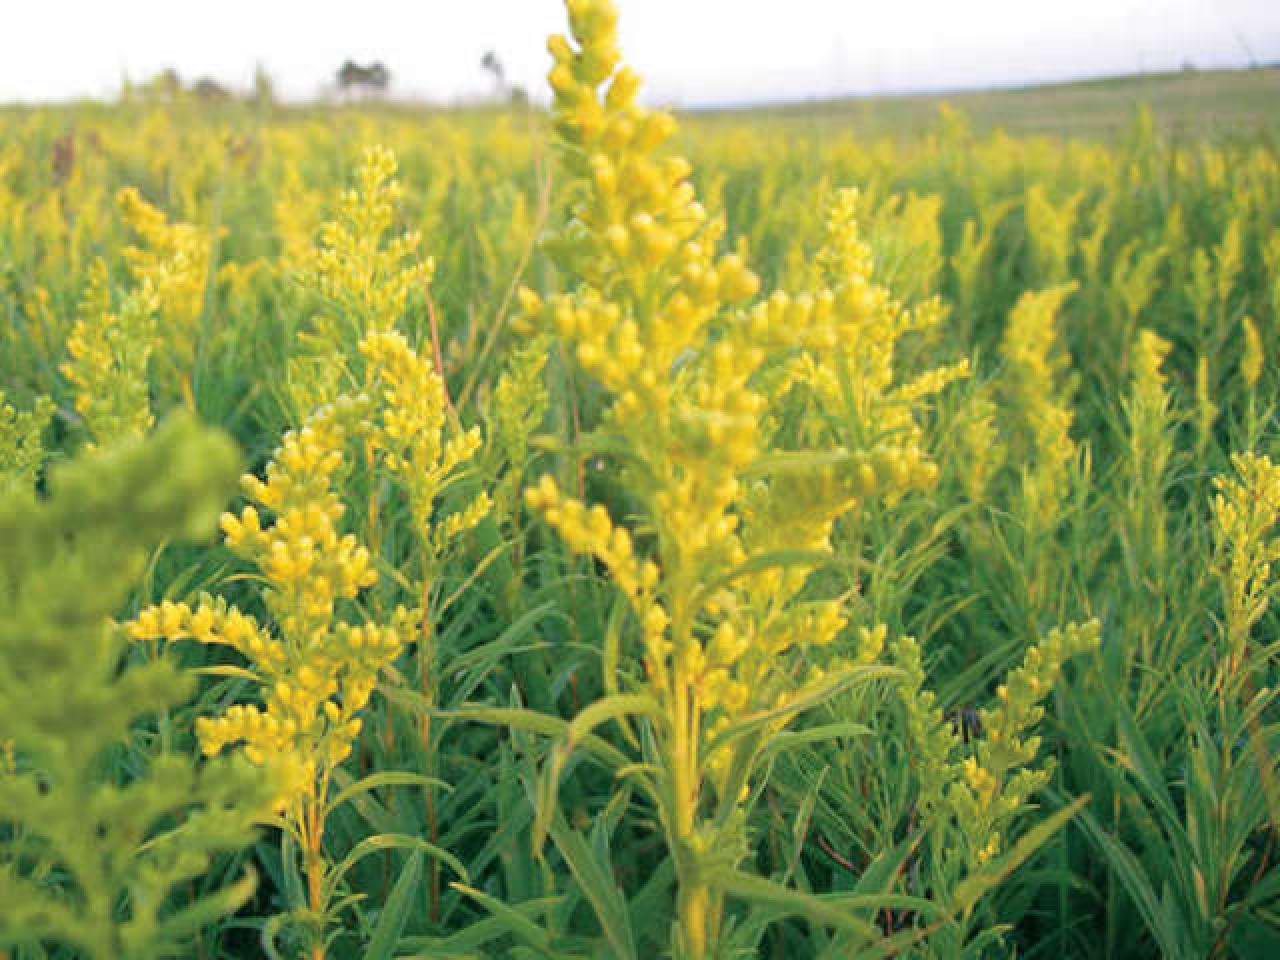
(174, 261)
(1246, 508)
(365, 275)
(1039, 395)
(109, 356)
(317, 669)
(978, 779)
(655, 317)
(720, 613)
(516, 411)
(1050, 226)
(1151, 421)
(93, 863)
(318, 658)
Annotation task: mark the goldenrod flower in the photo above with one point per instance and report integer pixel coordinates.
(1254, 357)
(1246, 510)
(110, 353)
(365, 275)
(1038, 389)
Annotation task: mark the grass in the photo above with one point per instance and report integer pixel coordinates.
(1189, 104)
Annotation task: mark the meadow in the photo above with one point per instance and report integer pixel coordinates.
(585, 533)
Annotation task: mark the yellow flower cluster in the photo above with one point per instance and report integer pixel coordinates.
(649, 322)
(1134, 278)
(1206, 409)
(1050, 228)
(1271, 260)
(319, 672)
(909, 245)
(109, 358)
(111, 352)
(1149, 378)
(297, 214)
(642, 245)
(213, 621)
(1246, 509)
(365, 275)
(849, 328)
(1254, 357)
(516, 409)
(174, 260)
(1151, 445)
(981, 451)
(968, 263)
(307, 563)
(408, 434)
(1036, 386)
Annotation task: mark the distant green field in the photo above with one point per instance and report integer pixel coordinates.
(1191, 103)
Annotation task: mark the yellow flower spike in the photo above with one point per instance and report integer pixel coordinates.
(1037, 388)
(1251, 363)
(110, 353)
(359, 264)
(174, 261)
(1246, 514)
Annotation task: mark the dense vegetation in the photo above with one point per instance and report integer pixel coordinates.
(812, 548)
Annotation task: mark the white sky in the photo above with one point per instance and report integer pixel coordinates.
(690, 51)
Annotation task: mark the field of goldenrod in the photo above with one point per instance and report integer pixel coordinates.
(740, 540)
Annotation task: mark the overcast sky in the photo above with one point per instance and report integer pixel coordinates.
(691, 51)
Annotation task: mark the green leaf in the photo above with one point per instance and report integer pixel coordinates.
(790, 739)
(388, 841)
(189, 921)
(1129, 870)
(596, 883)
(395, 913)
(611, 659)
(788, 902)
(390, 778)
(294, 892)
(511, 920)
(516, 718)
(226, 670)
(616, 707)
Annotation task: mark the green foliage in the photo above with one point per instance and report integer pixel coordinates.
(89, 859)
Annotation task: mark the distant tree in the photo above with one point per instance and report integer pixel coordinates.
(264, 88)
(514, 94)
(493, 66)
(165, 85)
(210, 90)
(371, 80)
